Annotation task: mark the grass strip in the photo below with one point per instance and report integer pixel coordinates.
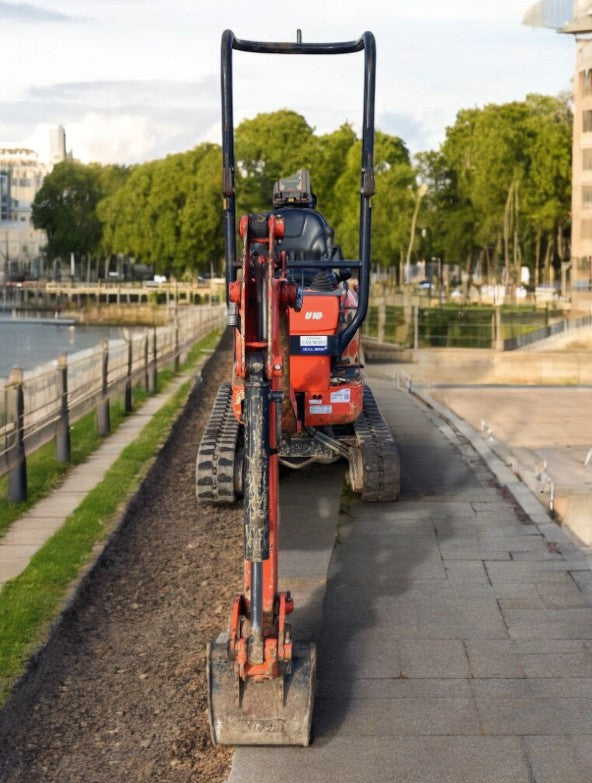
(30, 602)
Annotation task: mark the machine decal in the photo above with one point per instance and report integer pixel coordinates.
(341, 395)
(320, 409)
(311, 343)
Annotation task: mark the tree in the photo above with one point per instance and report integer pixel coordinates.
(392, 205)
(500, 186)
(167, 213)
(268, 147)
(65, 206)
(202, 234)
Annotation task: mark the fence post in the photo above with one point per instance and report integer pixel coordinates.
(415, 327)
(15, 413)
(499, 339)
(128, 401)
(177, 348)
(146, 361)
(62, 439)
(153, 379)
(103, 418)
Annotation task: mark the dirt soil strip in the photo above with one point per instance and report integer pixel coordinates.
(120, 694)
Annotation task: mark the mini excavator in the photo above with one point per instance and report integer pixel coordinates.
(297, 397)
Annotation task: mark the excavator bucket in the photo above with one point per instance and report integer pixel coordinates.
(272, 712)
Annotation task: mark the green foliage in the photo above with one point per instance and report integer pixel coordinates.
(500, 186)
(168, 213)
(498, 192)
(268, 147)
(65, 207)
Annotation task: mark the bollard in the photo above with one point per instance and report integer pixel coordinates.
(15, 413)
(128, 401)
(62, 438)
(103, 418)
(153, 380)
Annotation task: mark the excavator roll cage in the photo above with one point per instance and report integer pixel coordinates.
(365, 43)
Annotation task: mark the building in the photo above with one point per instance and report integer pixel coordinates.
(581, 231)
(21, 245)
(57, 145)
(574, 17)
(21, 176)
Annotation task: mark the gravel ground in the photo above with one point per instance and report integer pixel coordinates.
(121, 693)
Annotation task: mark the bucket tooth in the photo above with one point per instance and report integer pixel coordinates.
(272, 712)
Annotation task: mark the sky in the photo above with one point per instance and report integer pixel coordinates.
(134, 80)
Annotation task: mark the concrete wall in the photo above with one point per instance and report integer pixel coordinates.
(468, 365)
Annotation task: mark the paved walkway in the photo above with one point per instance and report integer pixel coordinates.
(456, 636)
(29, 533)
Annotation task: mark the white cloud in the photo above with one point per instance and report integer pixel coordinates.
(151, 68)
(27, 13)
(117, 138)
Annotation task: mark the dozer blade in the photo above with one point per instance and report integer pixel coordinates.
(273, 712)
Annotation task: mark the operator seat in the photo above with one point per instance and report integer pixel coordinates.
(307, 235)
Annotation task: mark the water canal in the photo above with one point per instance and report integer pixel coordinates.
(29, 343)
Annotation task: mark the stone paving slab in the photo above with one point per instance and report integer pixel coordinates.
(56, 505)
(563, 759)
(407, 759)
(396, 718)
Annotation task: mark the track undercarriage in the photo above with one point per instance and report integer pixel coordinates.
(367, 445)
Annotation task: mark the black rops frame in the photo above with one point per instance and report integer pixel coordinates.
(365, 43)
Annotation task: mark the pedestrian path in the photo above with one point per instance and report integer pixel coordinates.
(455, 641)
(29, 533)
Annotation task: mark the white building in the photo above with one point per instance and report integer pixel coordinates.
(21, 176)
(574, 17)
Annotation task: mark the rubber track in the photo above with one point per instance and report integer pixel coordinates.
(382, 468)
(214, 470)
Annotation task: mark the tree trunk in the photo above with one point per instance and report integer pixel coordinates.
(548, 257)
(517, 251)
(497, 251)
(537, 257)
(468, 269)
(507, 233)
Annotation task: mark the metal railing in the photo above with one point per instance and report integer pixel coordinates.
(521, 340)
(39, 405)
(465, 327)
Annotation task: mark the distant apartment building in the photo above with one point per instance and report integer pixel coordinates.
(574, 17)
(21, 176)
(582, 168)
